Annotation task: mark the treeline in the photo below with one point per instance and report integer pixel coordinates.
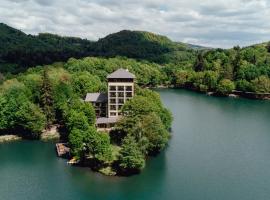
(222, 71)
(20, 51)
(48, 95)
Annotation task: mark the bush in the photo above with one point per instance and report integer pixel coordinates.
(261, 84)
(225, 87)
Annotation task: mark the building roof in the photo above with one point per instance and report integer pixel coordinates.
(96, 97)
(121, 73)
(106, 120)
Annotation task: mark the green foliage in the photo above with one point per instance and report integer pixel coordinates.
(268, 47)
(142, 45)
(18, 113)
(97, 145)
(84, 82)
(181, 78)
(88, 143)
(151, 134)
(31, 118)
(131, 158)
(76, 120)
(47, 99)
(22, 51)
(200, 63)
(225, 87)
(76, 143)
(243, 85)
(261, 84)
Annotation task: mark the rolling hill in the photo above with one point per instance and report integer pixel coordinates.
(20, 51)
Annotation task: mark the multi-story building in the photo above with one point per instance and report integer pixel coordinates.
(120, 89)
(108, 105)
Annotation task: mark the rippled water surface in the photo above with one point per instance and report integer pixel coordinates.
(220, 150)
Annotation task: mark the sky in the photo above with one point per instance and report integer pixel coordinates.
(211, 23)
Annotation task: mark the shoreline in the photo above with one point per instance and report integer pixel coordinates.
(9, 138)
(233, 94)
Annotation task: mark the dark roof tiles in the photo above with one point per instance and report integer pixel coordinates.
(121, 73)
(96, 97)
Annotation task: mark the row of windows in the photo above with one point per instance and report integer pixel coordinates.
(100, 104)
(120, 88)
(114, 107)
(115, 113)
(113, 101)
(120, 94)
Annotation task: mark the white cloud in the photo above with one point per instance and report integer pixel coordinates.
(216, 23)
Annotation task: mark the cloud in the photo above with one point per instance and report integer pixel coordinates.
(216, 23)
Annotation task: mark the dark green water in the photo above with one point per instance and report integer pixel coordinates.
(220, 150)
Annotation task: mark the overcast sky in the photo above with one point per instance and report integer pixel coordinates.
(215, 23)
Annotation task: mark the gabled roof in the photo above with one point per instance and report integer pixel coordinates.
(121, 73)
(96, 97)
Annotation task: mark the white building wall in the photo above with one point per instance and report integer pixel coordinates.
(118, 94)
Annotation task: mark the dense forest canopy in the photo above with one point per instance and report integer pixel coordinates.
(22, 51)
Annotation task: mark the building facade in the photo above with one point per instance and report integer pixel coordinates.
(120, 89)
(108, 105)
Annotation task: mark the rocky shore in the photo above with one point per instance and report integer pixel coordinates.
(9, 138)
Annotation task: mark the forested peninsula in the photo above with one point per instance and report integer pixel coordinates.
(45, 78)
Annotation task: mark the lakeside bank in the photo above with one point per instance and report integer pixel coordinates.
(234, 93)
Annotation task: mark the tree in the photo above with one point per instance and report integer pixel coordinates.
(166, 118)
(268, 47)
(181, 78)
(97, 145)
(18, 114)
(86, 108)
(84, 82)
(225, 87)
(31, 118)
(210, 79)
(75, 139)
(131, 159)
(261, 84)
(47, 99)
(236, 61)
(200, 64)
(88, 143)
(151, 127)
(243, 85)
(76, 120)
(139, 105)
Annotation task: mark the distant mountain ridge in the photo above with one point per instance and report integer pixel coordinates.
(19, 51)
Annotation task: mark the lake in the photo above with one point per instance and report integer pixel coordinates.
(219, 150)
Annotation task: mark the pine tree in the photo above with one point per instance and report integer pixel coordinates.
(47, 99)
(268, 47)
(200, 63)
(236, 61)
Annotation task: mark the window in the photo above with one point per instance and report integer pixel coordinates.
(128, 88)
(129, 94)
(112, 100)
(112, 94)
(120, 88)
(120, 94)
(119, 107)
(113, 113)
(113, 107)
(121, 101)
(112, 88)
